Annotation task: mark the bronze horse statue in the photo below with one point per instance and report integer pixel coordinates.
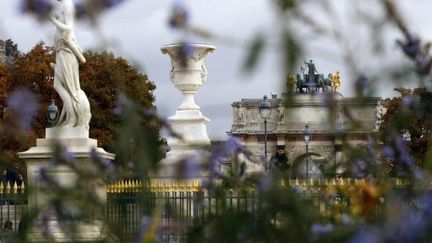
(326, 83)
(307, 85)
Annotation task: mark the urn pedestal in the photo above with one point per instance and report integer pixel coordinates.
(188, 74)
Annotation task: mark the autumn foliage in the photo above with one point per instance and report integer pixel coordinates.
(409, 116)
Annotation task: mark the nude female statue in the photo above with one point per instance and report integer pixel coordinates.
(76, 107)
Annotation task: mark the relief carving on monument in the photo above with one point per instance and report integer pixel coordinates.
(281, 114)
(241, 115)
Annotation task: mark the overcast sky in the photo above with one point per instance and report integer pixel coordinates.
(137, 29)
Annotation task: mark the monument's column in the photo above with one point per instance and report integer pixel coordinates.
(188, 74)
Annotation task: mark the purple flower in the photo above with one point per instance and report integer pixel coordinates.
(360, 168)
(191, 166)
(234, 146)
(426, 203)
(410, 100)
(185, 51)
(265, 182)
(23, 107)
(369, 236)
(91, 7)
(322, 228)
(40, 8)
(179, 16)
(67, 156)
(400, 145)
(347, 219)
(406, 159)
(411, 47)
(411, 227)
(143, 228)
(80, 9)
(105, 164)
(46, 228)
(362, 83)
(388, 152)
(117, 111)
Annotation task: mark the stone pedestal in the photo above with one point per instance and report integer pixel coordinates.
(188, 74)
(76, 141)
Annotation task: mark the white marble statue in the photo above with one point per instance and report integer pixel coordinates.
(76, 107)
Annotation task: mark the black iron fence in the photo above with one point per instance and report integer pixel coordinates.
(172, 213)
(168, 209)
(13, 205)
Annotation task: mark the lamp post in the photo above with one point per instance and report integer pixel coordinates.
(307, 137)
(52, 114)
(265, 112)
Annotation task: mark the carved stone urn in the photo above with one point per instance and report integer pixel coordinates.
(188, 74)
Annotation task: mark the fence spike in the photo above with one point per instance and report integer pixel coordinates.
(168, 185)
(134, 185)
(297, 182)
(129, 185)
(160, 185)
(8, 188)
(197, 184)
(109, 187)
(189, 185)
(124, 186)
(113, 187)
(22, 187)
(15, 187)
(119, 186)
(116, 184)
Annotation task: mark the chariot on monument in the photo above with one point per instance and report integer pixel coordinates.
(312, 81)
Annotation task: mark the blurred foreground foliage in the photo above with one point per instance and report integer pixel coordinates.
(376, 210)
